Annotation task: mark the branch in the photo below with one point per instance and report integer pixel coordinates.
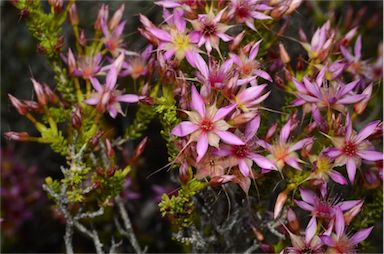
(128, 226)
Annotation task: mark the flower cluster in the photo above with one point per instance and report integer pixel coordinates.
(235, 111)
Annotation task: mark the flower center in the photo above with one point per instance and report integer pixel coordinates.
(206, 125)
(247, 68)
(323, 164)
(242, 12)
(280, 151)
(181, 41)
(350, 149)
(240, 151)
(209, 29)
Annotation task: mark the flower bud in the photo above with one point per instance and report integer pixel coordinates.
(350, 214)
(96, 139)
(258, 234)
(219, 180)
(39, 92)
(33, 106)
(360, 106)
(236, 41)
(140, 148)
(102, 15)
(73, 17)
(115, 20)
(82, 38)
(280, 201)
(111, 171)
(110, 151)
(100, 172)
(76, 118)
(71, 62)
(51, 96)
(284, 54)
(294, 4)
(19, 106)
(271, 131)
(59, 44)
(293, 222)
(17, 136)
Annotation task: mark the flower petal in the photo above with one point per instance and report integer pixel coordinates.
(366, 131)
(370, 155)
(184, 128)
(346, 205)
(308, 196)
(262, 162)
(111, 78)
(223, 112)
(96, 84)
(339, 223)
(252, 127)
(229, 138)
(285, 131)
(160, 34)
(337, 177)
(202, 146)
(197, 102)
(360, 235)
(327, 240)
(300, 144)
(311, 229)
(129, 98)
(303, 205)
(244, 168)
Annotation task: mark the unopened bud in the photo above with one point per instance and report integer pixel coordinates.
(41, 98)
(96, 139)
(100, 172)
(33, 106)
(111, 171)
(110, 151)
(115, 20)
(51, 96)
(73, 17)
(102, 15)
(236, 41)
(293, 6)
(284, 54)
(59, 44)
(76, 118)
(271, 131)
(360, 106)
(82, 38)
(219, 180)
(17, 136)
(280, 201)
(19, 106)
(140, 148)
(350, 214)
(293, 222)
(258, 234)
(243, 118)
(71, 62)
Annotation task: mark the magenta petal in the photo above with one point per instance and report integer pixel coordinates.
(351, 99)
(167, 4)
(300, 144)
(370, 155)
(96, 84)
(201, 65)
(197, 102)
(337, 177)
(357, 49)
(304, 205)
(252, 127)
(160, 34)
(311, 229)
(360, 236)
(285, 131)
(346, 205)
(346, 54)
(348, 127)
(262, 162)
(339, 222)
(347, 88)
(129, 98)
(262, 74)
(223, 112)
(92, 101)
(250, 93)
(184, 129)
(111, 78)
(308, 196)
(202, 146)
(327, 240)
(292, 161)
(312, 88)
(351, 169)
(222, 152)
(299, 86)
(254, 50)
(332, 152)
(112, 112)
(229, 138)
(366, 131)
(244, 168)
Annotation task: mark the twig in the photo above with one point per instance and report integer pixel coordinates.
(252, 248)
(68, 238)
(128, 226)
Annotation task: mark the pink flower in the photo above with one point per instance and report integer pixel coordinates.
(321, 42)
(247, 66)
(248, 98)
(283, 151)
(321, 207)
(349, 150)
(176, 41)
(244, 155)
(113, 31)
(326, 95)
(137, 66)
(209, 30)
(206, 125)
(85, 67)
(247, 11)
(341, 242)
(310, 243)
(214, 76)
(107, 98)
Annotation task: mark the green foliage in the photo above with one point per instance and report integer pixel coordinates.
(59, 115)
(144, 116)
(181, 207)
(167, 111)
(56, 140)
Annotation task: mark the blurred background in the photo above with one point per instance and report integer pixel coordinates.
(28, 223)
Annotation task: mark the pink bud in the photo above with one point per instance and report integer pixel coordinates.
(51, 96)
(349, 215)
(271, 132)
(293, 222)
(236, 41)
(73, 17)
(219, 180)
(280, 201)
(76, 118)
(360, 106)
(17, 136)
(115, 20)
(82, 38)
(110, 151)
(20, 106)
(102, 15)
(71, 62)
(284, 54)
(39, 92)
